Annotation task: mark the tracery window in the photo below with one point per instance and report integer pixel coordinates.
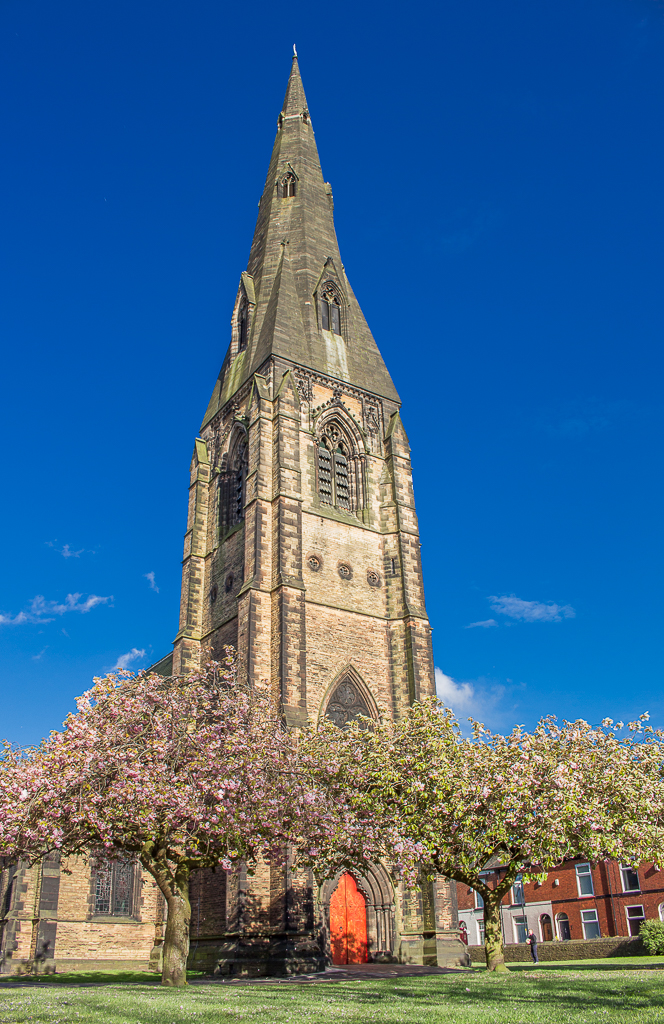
(346, 704)
(330, 310)
(288, 185)
(233, 487)
(339, 461)
(333, 471)
(114, 883)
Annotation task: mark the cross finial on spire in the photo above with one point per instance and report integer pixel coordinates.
(294, 50)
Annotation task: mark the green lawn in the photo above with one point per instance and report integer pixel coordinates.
(565, 996)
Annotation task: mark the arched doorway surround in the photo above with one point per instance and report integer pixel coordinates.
(375, 886)
(546, 928)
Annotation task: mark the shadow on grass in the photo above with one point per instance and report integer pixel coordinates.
(583, 965)
(77, 979)
(505, 992)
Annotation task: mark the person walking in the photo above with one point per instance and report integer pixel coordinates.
(532, 939)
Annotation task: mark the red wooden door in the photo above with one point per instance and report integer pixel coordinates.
(348, 923)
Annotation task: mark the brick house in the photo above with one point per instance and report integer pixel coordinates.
(578, 900)
(302, 551)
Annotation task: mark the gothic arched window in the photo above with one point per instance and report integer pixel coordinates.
(233, 486)
(333, 470)
(239, 482)
(242, 325)
(346, 704)
(330, 310)
(288, 185)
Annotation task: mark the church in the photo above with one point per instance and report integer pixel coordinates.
(302, 552)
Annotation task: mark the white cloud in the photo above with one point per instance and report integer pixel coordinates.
(483, 699)
(484, 624)
(65, 551)
(531, 611)
(458, 696)
(38, 657)
(149, 576)
(125, 660)
(41, 610)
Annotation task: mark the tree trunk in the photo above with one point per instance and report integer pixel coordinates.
(173, 880)
(493, 933)
(176, 939)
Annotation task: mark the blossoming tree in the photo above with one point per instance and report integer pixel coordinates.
(527, 800)
(185, 773)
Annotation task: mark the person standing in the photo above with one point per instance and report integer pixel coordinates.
(532, 940)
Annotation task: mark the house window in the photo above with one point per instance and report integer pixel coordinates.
(242, 325)
(479, 901)
(288, 185)
(635, 917)
(590, 924)
(480, 932)
(584, 880)
(114, 883)
(661, 911)
(562, 926)
(520, 928)
(518, 894)
(630, 879)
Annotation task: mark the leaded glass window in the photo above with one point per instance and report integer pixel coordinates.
(114, 883)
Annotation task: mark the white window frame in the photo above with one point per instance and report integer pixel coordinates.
(479, 899)
(518, 881)
(480, 931)
(641, 917)
(584, 922)
(660, 911)
(584, 874)
(624, 868)
(519, 920)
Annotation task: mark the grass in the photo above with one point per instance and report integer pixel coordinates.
(547, 996)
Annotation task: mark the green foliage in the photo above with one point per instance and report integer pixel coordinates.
(652, 933)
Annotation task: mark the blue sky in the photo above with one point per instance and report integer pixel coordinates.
(497, 172)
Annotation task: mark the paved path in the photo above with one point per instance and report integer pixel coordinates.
(352, 972)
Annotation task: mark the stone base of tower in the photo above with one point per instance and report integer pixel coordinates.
(258, 956)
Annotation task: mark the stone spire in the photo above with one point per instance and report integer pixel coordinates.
(294, 255)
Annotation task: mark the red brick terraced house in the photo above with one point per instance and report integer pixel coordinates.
(579, 900)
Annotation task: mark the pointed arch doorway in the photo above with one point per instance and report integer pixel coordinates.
(348, 923)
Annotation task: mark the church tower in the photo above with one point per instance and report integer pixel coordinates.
(302, 551)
